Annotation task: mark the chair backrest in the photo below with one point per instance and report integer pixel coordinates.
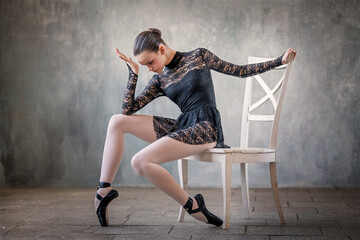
(249, 107)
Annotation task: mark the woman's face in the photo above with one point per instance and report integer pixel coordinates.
(155, 61)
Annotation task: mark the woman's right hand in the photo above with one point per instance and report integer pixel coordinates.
(134, 66)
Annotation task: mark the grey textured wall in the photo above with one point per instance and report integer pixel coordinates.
(61, 82)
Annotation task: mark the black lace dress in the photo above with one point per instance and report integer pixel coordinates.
(187, 81)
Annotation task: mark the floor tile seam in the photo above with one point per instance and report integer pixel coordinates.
(165, 212)
(339, 225)
(307, 236)
(322, 232)
(274, 235)
(147, 225)
(5, 233)
(305, 227)
(127, 219)
(54, 223)
(349, 205)
(172, 227)
(341, 229)
(90, 227)
(277, 235)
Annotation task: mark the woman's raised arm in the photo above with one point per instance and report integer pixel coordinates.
(152, 90)
(215, 63)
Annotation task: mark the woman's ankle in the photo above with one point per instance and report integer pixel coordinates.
(104, 191)
(199, 215)
(195, 204)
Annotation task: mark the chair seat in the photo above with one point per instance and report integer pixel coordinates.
(238, 155)
(241, 150)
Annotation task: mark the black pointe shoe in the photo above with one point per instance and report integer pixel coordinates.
(101, 210)
(211, 218)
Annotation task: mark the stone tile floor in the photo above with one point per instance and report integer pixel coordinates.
(147, 213)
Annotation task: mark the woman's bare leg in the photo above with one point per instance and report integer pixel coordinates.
(140, 126)
(146, 163)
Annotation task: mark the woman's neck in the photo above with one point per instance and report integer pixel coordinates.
(169, 54)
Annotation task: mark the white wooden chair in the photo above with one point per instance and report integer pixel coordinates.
(244, 154)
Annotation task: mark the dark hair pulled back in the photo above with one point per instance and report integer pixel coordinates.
(149, 40)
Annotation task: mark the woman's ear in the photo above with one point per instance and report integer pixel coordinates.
(162, 49)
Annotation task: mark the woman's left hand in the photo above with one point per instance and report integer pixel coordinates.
(288, 56)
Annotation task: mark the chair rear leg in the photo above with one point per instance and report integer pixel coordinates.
(183, 177)
(275, 191)
(245, 189)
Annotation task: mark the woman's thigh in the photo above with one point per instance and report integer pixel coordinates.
(167, 149)
(140, 126)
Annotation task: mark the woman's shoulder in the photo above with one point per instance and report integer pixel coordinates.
(196, 51)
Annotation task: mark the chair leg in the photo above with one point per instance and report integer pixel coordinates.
(245, 189)
(275, 191)
(226, 182)
(183, 177)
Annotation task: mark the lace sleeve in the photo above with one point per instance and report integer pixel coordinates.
(215, 63)
(151, 91)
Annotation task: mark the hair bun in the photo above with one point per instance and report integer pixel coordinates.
(155, 31)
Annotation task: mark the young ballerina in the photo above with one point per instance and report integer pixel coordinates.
(185, 78)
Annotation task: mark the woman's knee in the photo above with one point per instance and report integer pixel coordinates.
(140, 163)
(117, 121)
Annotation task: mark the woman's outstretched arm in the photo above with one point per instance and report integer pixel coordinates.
(215, 63)
(152, 90)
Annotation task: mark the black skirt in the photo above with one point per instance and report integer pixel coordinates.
(199, 126)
